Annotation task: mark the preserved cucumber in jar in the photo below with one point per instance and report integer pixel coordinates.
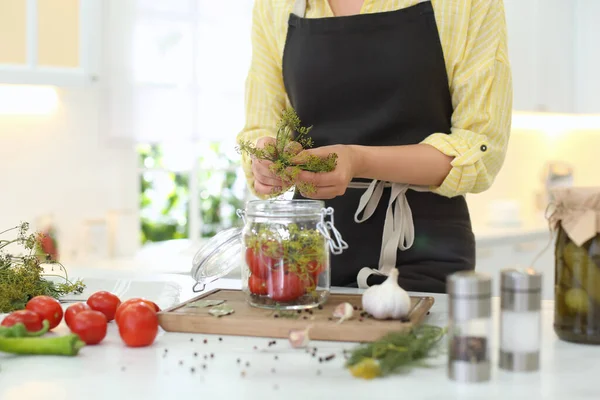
(577, 272)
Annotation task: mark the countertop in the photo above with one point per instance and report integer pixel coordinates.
(112, 371)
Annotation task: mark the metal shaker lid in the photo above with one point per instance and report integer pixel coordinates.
(517, 279)
(469, 284)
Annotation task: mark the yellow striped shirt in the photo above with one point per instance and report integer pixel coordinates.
(473, 38)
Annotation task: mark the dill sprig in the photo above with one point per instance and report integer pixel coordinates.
(22, 276)
(291, 138)
(395, 352)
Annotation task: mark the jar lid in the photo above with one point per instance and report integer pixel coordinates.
(521, 280)
(220, 255)
(469, 284)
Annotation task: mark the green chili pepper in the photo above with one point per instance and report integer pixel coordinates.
(68, 345)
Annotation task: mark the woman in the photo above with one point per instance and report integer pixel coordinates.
(414, 96)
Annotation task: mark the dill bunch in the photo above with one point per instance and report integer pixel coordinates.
(395, 352)
(291, 139)
(22, 276)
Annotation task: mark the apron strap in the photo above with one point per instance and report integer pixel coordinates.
(299, 8)
(398, 228)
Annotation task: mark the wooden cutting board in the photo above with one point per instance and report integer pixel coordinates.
(251, 321)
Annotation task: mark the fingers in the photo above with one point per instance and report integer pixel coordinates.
(261, 188)
(263, 141)
(323, 193)
(321, 179)
(262, 173)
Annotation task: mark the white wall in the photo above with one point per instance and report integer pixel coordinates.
(60, 164)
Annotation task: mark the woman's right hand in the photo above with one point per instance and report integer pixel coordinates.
(265, 181)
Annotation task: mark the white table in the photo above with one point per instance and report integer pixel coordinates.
(112, 371)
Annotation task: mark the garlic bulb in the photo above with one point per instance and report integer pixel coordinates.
(387, 300)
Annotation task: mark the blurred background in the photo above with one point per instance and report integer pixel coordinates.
(118, 121)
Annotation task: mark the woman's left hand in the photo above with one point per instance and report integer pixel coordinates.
(329, 184)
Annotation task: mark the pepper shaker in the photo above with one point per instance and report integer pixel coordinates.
(520, 322)
(470, 309)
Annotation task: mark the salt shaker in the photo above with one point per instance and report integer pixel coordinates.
(470, 326)
(520, 321)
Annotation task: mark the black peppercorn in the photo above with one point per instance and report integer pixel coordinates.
(205, 341)
(220, 339)
(273, 370)
(212, 355)
(191, 339)
(247, 363)
(320, 307)
(180, 362)
(239, 361)
(195, 354)
(193, 370)
(277, 358)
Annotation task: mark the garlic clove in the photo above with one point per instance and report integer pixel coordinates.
(299, 337)
(387, 300)
(343, 311)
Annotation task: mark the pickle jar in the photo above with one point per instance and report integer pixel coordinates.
(576, 221)
(283, 251)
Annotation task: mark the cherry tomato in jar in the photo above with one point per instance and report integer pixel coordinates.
(138, 325)
(285, 287)
(257, 286)
(124, 305)
(90, 326)
(105, 302)
(31, 320)
(255, 265)
(47, 308)
(73, 310)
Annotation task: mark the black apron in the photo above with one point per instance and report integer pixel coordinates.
(380, 80)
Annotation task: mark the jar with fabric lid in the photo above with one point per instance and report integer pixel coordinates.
(576, 221)
(283, 251)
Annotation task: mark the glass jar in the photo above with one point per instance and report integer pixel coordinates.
(577, 265)
(577, 289)
(283, 251)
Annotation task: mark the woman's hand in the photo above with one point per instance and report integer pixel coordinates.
(265, 181)
(329, 184)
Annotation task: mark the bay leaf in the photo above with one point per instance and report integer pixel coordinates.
(221, 310)
(205, 303)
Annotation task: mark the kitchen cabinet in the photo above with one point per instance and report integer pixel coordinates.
(587, 57)
(518, 252)
(541, 36)
(50, 42)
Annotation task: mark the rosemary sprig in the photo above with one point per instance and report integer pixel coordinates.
(291, 138)
(395, 352)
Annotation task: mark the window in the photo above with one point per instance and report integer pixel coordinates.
(177, 70)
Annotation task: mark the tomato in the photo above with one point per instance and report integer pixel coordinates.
(315, 267)
(31, 320)
(138, 325)
(309, 283)
(285, 286)
(73, 310)
(132, 301)
(90, 326)
(271, 254)
(256, 267)
(105, 302)
(47, 308)
(257, 285)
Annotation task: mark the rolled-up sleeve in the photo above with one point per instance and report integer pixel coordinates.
(481, 89)
(265, 96)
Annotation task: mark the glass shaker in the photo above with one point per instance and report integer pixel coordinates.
(470, 326)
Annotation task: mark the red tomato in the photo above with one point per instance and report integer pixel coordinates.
(138, 325)
(315, 267)
(105, 302)
(73, 310)
(90, 326)
(31, 320)
(271, 254)
(309, 283)
(132, 301)
(47, 308)
(285, 286)
(255, 266)
(257, 286)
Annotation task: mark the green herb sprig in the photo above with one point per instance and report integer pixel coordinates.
(22, 276)
(291, 138)
(395, 353)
